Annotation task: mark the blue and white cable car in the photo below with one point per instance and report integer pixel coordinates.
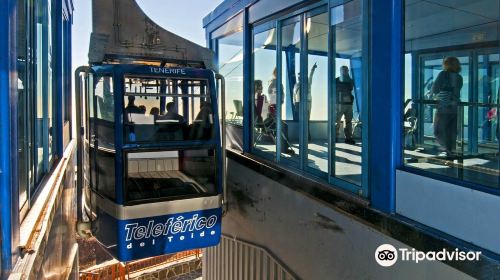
(151, 158)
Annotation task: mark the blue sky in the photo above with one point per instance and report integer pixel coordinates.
(158, 10)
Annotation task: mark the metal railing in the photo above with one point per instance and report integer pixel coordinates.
(124, 271)
(238, 259)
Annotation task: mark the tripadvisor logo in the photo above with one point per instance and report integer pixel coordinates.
(387, 255)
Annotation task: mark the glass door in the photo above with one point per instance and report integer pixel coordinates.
(349, 95)
(290, 104)
(264, 87)
(316, 98)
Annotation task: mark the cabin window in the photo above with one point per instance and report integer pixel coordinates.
(173, 174)
(159, 109)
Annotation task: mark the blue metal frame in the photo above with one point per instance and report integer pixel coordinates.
(58, 78)
(397, 84)
(247, 85)
(303, 123)
(8, 146)
(386, 34)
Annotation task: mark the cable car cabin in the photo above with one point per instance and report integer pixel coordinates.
(152, 159)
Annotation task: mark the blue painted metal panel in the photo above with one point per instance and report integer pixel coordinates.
(386, 91)
(397, 83)
(134, 239)
(8, 133)
(118, 86)
(58, 80)
(68, 52)
(247, 86)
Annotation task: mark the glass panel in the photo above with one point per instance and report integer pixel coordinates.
(104, 175)
(167, 110)
(102, 130)
(317, 95)
(290, 103)
(488, 88)
(451, 97)
(48, 80)
(347, 32)
(176, 174)
(231, 67)
(102, 120)
(264, 115)
(105, 119)
(41, 124)
(22, 105)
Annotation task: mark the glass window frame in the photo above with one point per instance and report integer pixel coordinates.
(48, 94)
(40, 79)
(305, 82)
(216, 47)
(27, 178)
(255, 30)
(324, 6)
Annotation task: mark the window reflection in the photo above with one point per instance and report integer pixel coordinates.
(347, 30)
(451, 89)
(231, 67)
(320, 116)
(23, 117)
(264, 113)
(44, 122)
(291, 91)
(167, 110)
(317, 92)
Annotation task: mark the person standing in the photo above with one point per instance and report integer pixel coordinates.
(345, 99)
(446, 90)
